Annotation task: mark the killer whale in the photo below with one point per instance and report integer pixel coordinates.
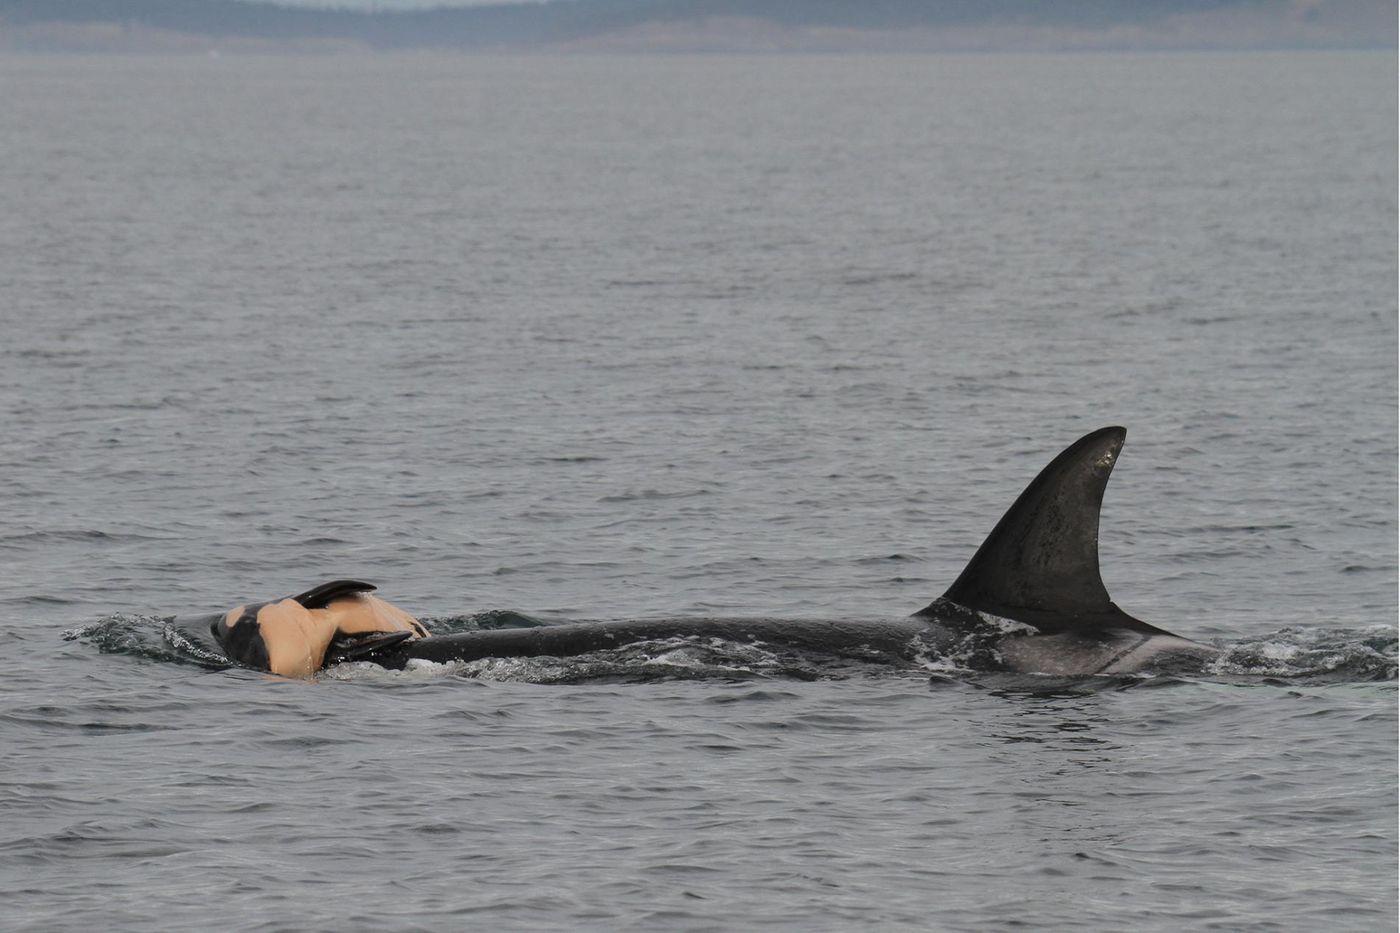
(298, 635)
(1031, 600)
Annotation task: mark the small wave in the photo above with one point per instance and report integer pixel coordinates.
(40, 599)
(883, 559)
(83, 535)
(652, 495)
(149, 637)
(1330, 655)
(476, 621)
(416, 671)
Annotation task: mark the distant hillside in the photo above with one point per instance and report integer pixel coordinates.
(631, 25)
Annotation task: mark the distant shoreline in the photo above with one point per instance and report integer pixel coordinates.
(694, 26)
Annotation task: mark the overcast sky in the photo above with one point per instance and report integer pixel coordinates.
(394, 4)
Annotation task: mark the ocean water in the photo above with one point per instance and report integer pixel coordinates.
(643, 337)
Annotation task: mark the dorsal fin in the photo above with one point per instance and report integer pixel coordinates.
(322, 596)
(1040, 564)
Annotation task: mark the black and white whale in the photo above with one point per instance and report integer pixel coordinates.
(1031, 600)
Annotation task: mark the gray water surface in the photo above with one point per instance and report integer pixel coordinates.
(643, 337)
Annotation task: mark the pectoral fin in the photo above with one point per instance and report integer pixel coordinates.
(361, 646)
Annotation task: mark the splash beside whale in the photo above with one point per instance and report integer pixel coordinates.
(1030, 600)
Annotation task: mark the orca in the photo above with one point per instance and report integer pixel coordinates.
(299, 635)
(1031, 600)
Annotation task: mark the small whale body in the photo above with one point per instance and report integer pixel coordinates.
(299, 635)
(1031, 600)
